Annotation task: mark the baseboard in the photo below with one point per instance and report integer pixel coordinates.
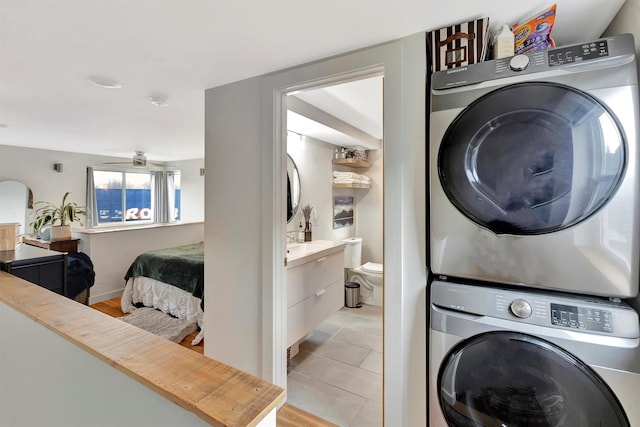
(93, 299)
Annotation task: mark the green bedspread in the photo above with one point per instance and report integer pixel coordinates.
(180, 266)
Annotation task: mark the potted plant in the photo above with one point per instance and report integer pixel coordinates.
(59, 217)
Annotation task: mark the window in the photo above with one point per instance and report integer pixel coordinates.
(123, 196)
(132, 197)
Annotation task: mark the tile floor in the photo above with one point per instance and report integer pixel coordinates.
(337, 375)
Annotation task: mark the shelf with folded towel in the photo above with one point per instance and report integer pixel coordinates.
(350, 180)
(352, 163)
(351, 185)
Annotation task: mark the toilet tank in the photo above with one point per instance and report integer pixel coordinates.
(352, 252)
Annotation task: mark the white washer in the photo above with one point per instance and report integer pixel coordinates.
(511, 357)
(533, 170)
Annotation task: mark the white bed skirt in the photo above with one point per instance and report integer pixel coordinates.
(164, 297)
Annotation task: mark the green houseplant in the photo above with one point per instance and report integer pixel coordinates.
(59, 217)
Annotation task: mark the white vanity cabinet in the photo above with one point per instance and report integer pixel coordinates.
(315, 290)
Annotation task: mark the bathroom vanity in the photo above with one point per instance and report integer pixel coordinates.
(315, 285)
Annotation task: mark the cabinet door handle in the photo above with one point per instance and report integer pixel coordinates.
(321, 259)
(321, 292)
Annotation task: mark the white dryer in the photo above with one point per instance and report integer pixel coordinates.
(533, 170)
(512, 357)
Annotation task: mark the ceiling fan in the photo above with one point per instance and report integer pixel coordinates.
(139, 160)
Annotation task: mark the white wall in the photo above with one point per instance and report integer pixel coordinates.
(47, 381)
(35, 169)
(313, 158)
(627, 21)
(245, 225)
(368, 212)
(14, 198)
(192, 189)
(233, 225)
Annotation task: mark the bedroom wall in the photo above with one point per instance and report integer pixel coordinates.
(243, 221)
(192, 192)
(34, 168)
(313, 158)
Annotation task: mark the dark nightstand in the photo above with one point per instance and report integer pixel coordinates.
(37, 265)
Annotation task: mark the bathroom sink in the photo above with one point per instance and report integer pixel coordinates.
(298, 253)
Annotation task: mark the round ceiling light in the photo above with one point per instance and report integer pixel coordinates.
(158, 101)
(104, 82)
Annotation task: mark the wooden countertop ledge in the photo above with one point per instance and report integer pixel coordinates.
(217, 393)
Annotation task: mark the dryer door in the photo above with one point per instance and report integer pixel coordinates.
(532, 158)
(514, 379)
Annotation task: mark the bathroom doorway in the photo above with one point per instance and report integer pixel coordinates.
(335, 139)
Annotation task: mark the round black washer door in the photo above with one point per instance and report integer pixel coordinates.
(515, 379)
(532, 158)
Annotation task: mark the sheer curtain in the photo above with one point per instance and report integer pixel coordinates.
(160, 211)
(171, 196)
(92, 204)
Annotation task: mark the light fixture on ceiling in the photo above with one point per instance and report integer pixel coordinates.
(104, 82)
(159, 101)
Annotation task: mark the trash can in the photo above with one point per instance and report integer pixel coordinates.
(352, 295)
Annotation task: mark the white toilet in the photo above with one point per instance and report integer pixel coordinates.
(368, 276)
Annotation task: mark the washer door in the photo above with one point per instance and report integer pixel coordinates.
(514, 379)
(532, 158)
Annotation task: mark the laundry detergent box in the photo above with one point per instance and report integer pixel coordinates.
(534, 33)
(459, 45)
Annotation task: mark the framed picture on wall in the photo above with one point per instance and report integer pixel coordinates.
(342, 211)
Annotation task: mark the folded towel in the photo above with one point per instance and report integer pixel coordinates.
(350, 181)
(350, 175)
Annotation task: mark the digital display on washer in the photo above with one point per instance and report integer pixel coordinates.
(578, 53)
(589, 319)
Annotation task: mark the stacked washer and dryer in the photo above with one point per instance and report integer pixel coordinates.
(535, 239)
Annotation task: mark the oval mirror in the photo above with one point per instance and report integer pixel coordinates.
(15, 200)
(293, 188)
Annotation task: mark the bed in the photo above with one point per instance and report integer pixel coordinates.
(171, 280)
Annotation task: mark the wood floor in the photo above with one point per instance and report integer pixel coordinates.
(288, 416)
(112, 308)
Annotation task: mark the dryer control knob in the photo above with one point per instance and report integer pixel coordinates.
(520, 308)
(519, 62)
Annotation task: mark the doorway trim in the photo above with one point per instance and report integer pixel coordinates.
(280, 118)
(280, 142)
